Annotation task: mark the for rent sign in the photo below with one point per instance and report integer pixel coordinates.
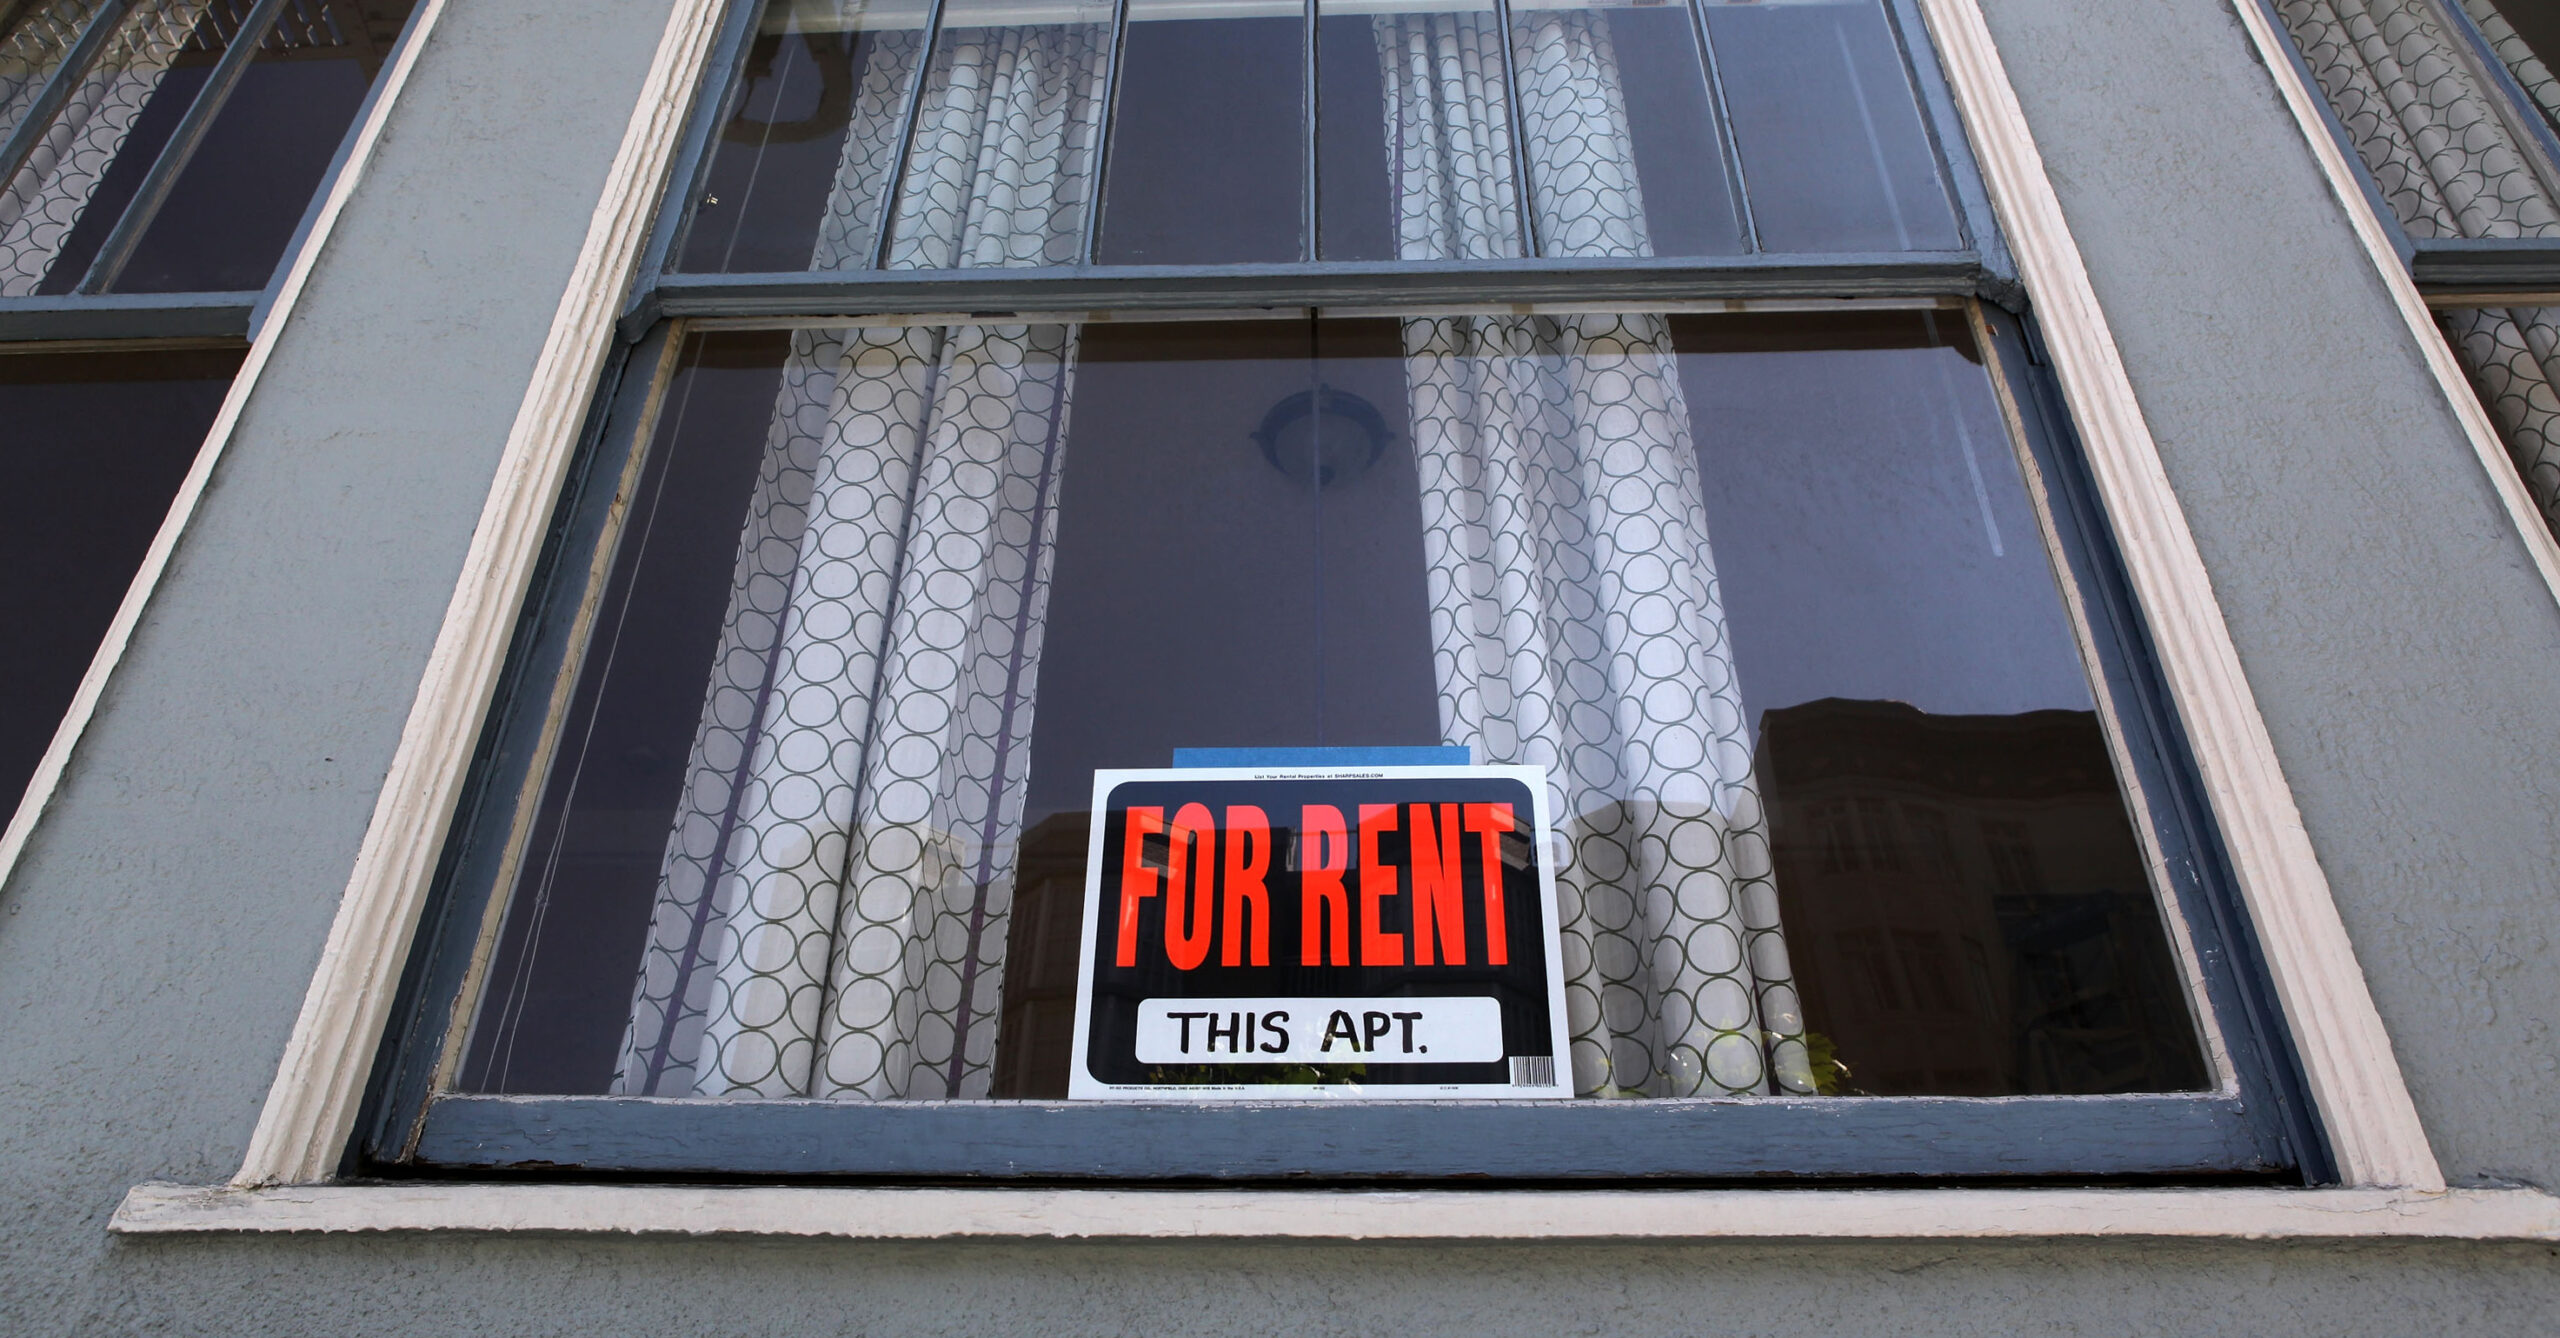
(1335, 931)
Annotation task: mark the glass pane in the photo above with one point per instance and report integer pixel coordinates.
(1208, 152)
(1831, 137)
(1001, 169)
(92, 449)
(1624, 158)
(34, 38)
(233, 210)
(1965, 901)
(797, 172)
(1835, 810)
(1430, 116)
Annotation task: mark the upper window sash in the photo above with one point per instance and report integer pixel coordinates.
(1966, 258)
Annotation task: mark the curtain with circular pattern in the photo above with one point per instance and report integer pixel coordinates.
(832, 905)
(1576, 622)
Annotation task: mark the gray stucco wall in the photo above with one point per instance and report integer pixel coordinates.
(157, 939)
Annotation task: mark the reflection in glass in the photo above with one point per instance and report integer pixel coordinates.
(890, 596)
(1207, 161)
(92, 448)
(1830, 133)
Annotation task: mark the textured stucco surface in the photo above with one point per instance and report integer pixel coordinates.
(2390, 620)
(155, 943)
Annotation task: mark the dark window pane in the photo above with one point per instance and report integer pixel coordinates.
(1208, 160)
(560, 986)
(1832, 143)
(1355, 198)
(92, 449)
(1965, 901)
(797, 171)
(234, 207)
(1275, 614)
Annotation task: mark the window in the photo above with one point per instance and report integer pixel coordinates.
(1598, 388)
(2452, 108)
(160, 157)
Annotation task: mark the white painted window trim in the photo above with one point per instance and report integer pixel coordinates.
(182, 508)
(1440, 1215)
(2276, 53)
(2363, 1103)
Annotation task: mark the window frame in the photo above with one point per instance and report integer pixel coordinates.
(2108, 475)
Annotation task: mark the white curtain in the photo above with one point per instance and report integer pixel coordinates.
(48, 196)
(833, 902)
(1576, 622)
(2453, 161)
(33, 49)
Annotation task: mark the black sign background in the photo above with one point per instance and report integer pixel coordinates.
(1520, 986)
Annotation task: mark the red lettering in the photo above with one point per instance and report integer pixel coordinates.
(1137, 878)
(1187, 905)
(1439, 895)
(1490, 821)
(1248, 858)
(1377, 883)
(1325, 849)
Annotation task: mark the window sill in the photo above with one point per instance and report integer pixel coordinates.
(1443, 1215)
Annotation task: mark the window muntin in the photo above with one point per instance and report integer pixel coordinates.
(175, 153)
(94, 448)
(1872, 651)
(1407, 123)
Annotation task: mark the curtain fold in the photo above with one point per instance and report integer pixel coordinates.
(47, 198)
(1576, 621)
(2531, 74)
(831, 912)
(2422, 119)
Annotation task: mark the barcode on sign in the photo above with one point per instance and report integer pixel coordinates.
(1533, 1070)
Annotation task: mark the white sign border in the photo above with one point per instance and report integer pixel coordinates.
(1083, 1086)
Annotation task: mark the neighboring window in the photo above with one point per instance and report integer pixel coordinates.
(159, 157)
(159, 146)
(93, 449)
(1858, 770)
(2452, 106)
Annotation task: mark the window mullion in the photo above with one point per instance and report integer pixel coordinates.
(1310, 244)
(906, 136)
(1736, 179)
(1102, 132)
(1519, 131)
(183, 142)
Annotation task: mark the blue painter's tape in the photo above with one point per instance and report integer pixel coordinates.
(1322, 757)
